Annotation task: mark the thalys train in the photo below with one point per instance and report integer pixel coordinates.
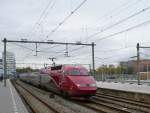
(73, 81)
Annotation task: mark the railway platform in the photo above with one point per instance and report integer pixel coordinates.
(10, 101)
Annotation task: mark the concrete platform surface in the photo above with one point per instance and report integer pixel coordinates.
(10, 102)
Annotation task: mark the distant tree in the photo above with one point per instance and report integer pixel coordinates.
(114, 70)
(25, 70)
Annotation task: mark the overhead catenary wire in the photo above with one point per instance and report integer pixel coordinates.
(119, 22)
(146, 49)
(23, 46)
(70, 51)
(117, 33)
(111, 57)
(26, 56)
(77, 49)
(122, 19)
(120, 32)
(128, 29)
(111, 50)
(49, 47)
(106, 58)
(116, 9)
(73, 50)
(51, 51)
(65, 19)
(115, 50)
(42, 15)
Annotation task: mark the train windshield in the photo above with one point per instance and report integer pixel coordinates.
(76, 72)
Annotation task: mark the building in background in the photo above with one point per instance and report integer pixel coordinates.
(1, 68)
(11, 64)
(131, 66)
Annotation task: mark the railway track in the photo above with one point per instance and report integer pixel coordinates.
(123, 103)
(36, 104)
(47, 104)
(99, 103)
(116, 104)
(105, 107)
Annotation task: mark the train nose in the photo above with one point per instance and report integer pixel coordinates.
(84, 85)
(83, 81)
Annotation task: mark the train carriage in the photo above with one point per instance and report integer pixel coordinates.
(73, 81)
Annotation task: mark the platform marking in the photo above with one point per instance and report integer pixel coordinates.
(13, 98)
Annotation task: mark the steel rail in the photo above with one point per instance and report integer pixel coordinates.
(92, 104)
(128, 107)
(40, 100)
(124, 102)
(116, 109)
(140, 103)
(29, 108)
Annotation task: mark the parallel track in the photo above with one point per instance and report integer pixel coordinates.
(102, 107)
(46, 99)
(35, 103)
(128, 104)
(98, 107)
(99, 103)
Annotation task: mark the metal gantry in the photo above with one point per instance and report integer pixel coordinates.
(5, 41)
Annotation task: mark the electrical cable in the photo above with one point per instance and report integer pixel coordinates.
(65, 19)
(119, 22)
(115, 50)
(120, 32)
(26, 56)
(42, 15)
(106, 58)
(49, 47)
(22, 46)
(118, 9)
(123, 20)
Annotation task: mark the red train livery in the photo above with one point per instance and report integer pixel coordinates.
(73, 81)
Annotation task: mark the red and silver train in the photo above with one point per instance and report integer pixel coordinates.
(73, 81)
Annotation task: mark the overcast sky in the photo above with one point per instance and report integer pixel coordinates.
(35, 20)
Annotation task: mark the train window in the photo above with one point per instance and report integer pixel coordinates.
(76, 72)
(84, 72)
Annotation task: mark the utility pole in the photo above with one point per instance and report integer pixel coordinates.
(90, 68)
(138, 63)
(5, 67)
(147, 71)
(66, 53)
(36, 49)
(93, 60)
(102, 74)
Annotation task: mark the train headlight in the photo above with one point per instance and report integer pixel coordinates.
(81, 85)
(93, 85)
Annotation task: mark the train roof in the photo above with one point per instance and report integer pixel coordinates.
(67, 67)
